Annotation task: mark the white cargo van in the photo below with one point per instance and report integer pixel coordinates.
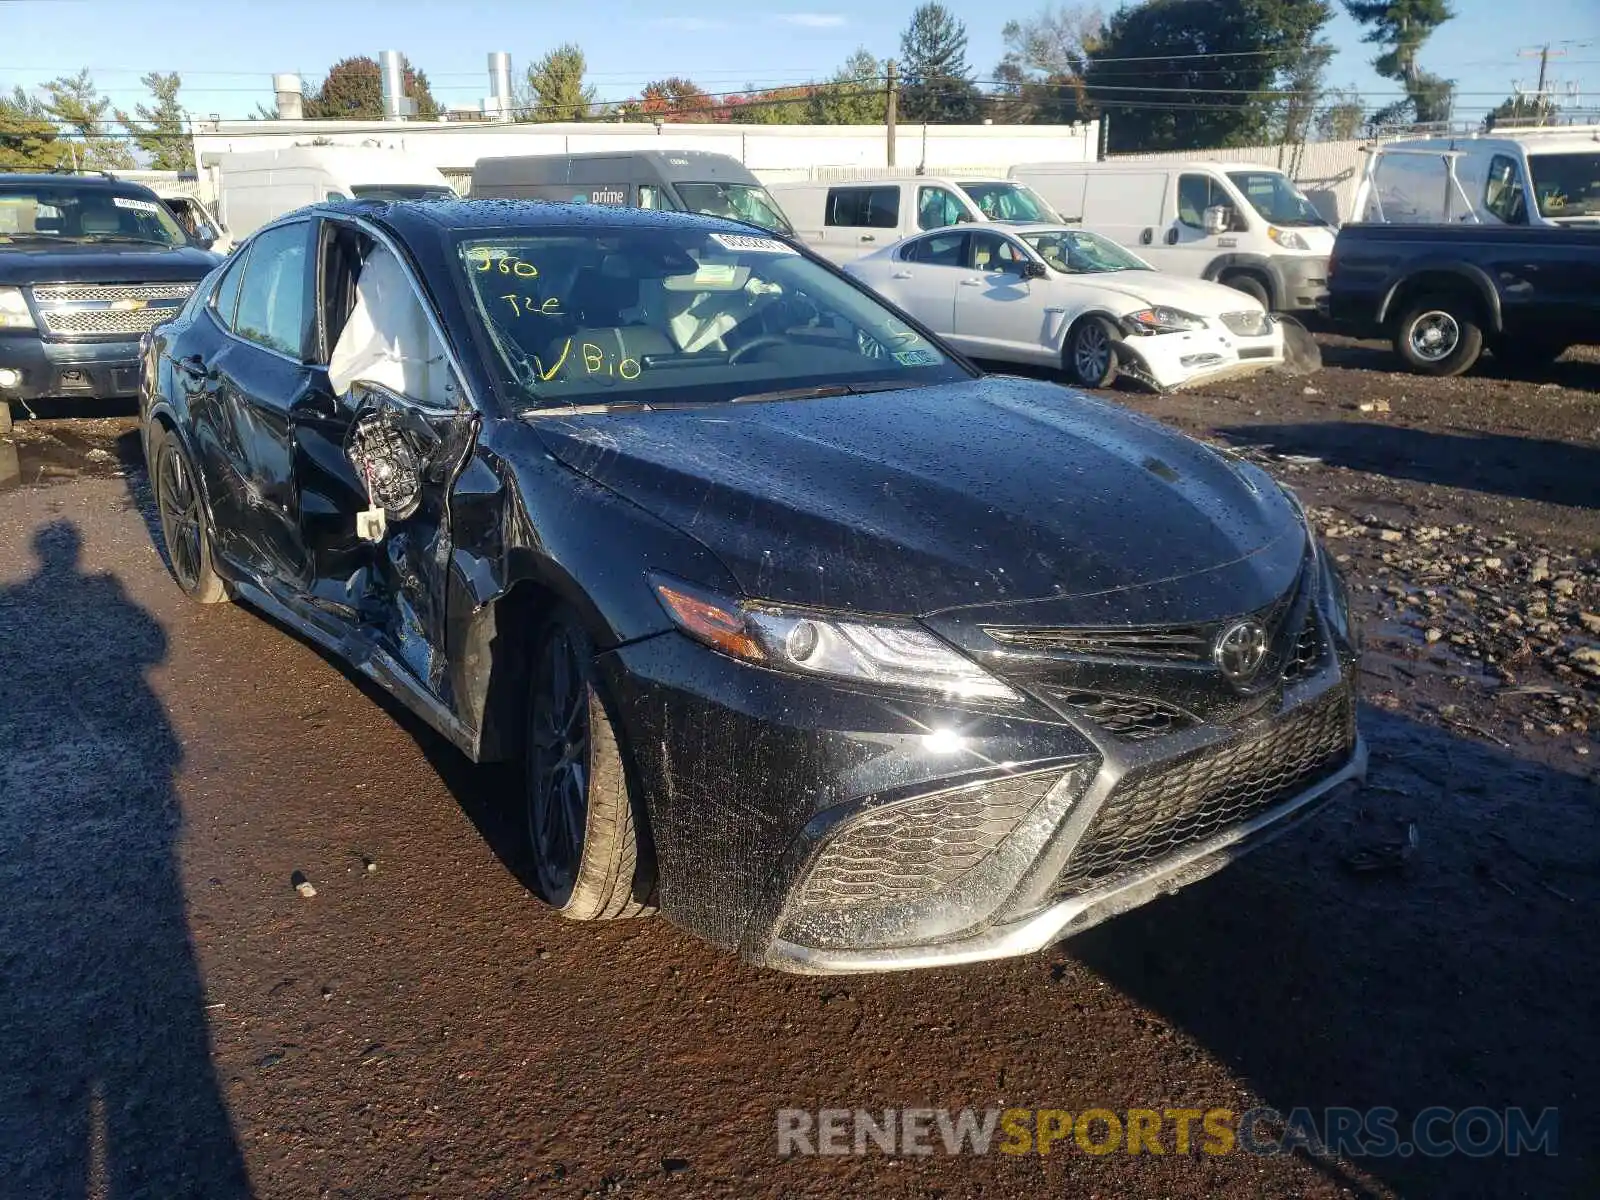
(1486, 178)
(260, 186)
(843, 221)
(1241, 224)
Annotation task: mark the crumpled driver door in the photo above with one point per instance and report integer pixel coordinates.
(406, 458)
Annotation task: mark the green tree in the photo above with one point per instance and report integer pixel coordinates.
(772, 106)
(1196, 74)
(77, 106)
(555, 89)
(938, 85)
(1040, 78)
(1342, 116)
(158, 129)
(1522, 109)
(1403, 26)
(28, 137)
(353, 91)
(1302, 80)
(856, 95)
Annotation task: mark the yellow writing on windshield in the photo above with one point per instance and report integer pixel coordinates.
(507, 264)
(595, 362)
(527, 306)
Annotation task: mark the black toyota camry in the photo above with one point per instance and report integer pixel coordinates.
(836, 651)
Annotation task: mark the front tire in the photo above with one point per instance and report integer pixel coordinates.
(185, 526)
(1090, 356)
(589, 859)
(1250, 286)
(1439, 335)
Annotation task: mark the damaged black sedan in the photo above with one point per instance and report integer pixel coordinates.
(837, 652)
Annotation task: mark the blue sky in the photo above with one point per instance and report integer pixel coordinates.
(227, 50)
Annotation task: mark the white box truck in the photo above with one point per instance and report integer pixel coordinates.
(1241, 224)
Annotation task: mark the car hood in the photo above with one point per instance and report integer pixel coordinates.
(992, 491)
(1196, 296)
(23, 263)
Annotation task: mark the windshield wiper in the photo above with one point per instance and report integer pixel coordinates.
(819, 392)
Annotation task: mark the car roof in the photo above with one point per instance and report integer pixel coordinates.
(53, 179)
(414, 217)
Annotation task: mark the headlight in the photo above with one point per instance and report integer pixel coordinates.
(14, 312)
(1165, 320)
(1287, 238)
(834, 645)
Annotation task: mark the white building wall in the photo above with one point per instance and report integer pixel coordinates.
(773, 152)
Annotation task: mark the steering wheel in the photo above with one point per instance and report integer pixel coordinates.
(754, 344)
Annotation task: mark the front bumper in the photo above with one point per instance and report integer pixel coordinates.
(53, 370)
(754, 780)
(1301, 280)
(1175, 360)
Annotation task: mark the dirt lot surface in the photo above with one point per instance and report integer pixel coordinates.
(176, 1019)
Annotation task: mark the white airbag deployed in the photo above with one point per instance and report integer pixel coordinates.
(388, 340)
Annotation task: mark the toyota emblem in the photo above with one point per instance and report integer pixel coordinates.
(1240, 651)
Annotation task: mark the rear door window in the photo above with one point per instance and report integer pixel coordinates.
(275, 303)
(940, 250)
(863, 207)
(226, 298)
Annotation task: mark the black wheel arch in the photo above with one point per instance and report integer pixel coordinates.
(1256, 266)
(1444, 279)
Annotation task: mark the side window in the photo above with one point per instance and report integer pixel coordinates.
(1194, 197)
(936, 208)
(1503, 194)
(991, 252)
(942, 250)
(649, 196)
(226, 298)
(275, 302)
(863, 207)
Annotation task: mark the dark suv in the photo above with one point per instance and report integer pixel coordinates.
(87, 265)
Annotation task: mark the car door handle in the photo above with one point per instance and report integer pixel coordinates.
(868, 237)
(1172, 236)
(1148, 236)
(901, 275)
(972, 283)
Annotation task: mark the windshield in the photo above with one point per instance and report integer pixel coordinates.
(1073, 252)
(672, 316)
(741, 201)
(1566, 185)
(62, 213)
(1009, 202)
(402, 191)
(1275, 198)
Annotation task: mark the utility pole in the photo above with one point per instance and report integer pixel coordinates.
(891, 113)
(1544, 53)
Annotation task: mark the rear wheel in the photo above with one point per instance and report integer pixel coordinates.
(1090, 357)
(588, 856)
(1439, 335)
(184, 525)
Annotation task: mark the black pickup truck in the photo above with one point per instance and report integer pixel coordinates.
(87, 265)
(1442, 293)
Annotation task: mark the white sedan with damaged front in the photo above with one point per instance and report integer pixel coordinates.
(1055, 296)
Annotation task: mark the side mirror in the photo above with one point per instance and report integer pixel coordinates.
(1034, 270)
(1218, 219)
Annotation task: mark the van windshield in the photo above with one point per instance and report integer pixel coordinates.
(1566, 185)
(1010, 202)
(1275, 198)
(586, 316)
(390, 192)
(63, 213)
(741, 201)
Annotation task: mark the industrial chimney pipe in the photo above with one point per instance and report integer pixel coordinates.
(393, 81)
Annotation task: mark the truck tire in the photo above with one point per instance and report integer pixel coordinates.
(185, 524)
(1250, 286)
(1090, 355)
(1439, 335)
(590, 859)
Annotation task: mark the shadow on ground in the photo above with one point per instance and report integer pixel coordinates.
(106, 1082)
(1465, 978)
(1580, 374)
(1529, 468)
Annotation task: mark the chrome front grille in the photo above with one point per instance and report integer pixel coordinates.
(1157, 812)
(1307, 653)
(1176, 644)
(93, 309)
(1246, 324)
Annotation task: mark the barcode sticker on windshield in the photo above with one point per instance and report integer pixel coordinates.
(743, 241)
(916, 358)
(137, 205)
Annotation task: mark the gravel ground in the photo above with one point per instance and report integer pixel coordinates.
(179, 1020)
